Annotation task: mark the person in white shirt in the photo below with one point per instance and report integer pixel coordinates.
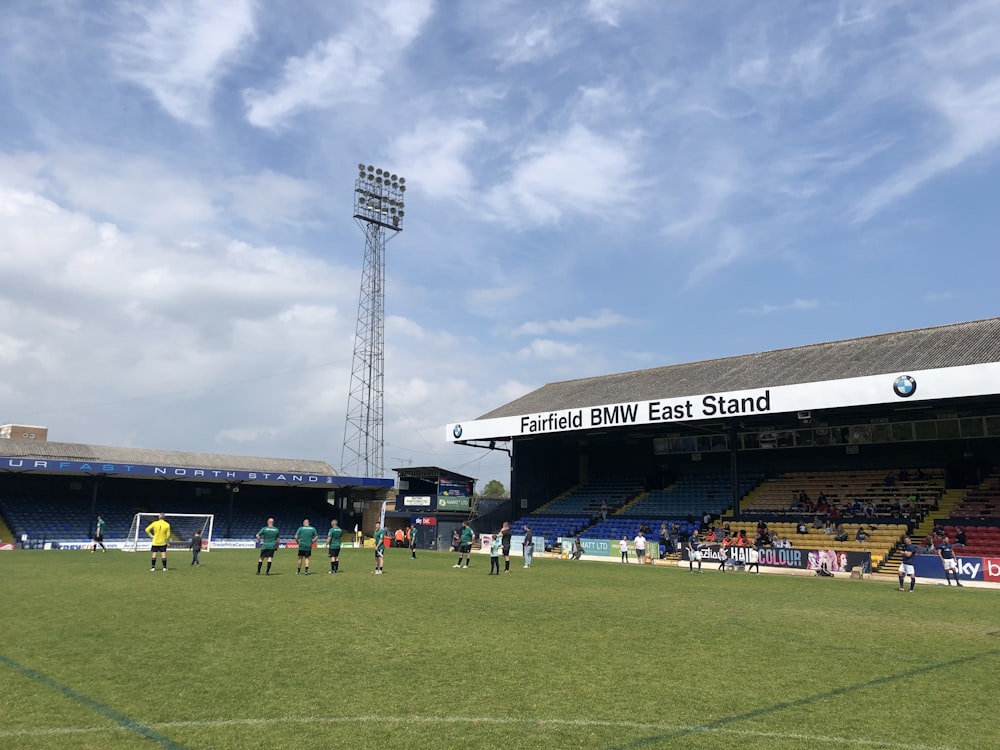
(640, 548)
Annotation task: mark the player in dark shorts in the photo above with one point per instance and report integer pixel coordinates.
(305, 536)
(333, 541)
(99, 535)
(268, 538)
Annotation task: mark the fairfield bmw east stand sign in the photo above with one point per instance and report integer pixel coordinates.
(922, 385)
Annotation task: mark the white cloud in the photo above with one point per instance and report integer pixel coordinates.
(602, 321)
(549, 349)
(433, 156)
(179, 50)
(346, 67)
(796, 304)
(269, 197)
(575, 173)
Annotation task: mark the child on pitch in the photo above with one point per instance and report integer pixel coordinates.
(623, 548)
(495, 554)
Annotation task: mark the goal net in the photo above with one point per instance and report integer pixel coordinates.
(182, 528)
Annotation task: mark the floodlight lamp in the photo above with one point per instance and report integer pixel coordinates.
(361, 167)
(378, 171)
(393, 177)
(402, 180)
(371, 168)
(402, 188)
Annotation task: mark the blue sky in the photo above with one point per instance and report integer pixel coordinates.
(594, 187)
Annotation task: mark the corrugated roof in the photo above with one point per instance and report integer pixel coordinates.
(149, 457)
(975, 342)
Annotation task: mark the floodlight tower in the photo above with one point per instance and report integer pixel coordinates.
(378, 209)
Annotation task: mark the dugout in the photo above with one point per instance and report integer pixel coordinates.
(918, 398)
(434, 499)
(53, 491)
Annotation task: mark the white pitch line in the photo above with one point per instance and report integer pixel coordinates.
(625, 725)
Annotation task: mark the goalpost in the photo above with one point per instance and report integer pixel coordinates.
(182, 528)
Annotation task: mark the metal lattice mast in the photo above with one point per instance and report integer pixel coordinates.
(378, 209)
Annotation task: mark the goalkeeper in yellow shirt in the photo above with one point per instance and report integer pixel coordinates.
(159, 531)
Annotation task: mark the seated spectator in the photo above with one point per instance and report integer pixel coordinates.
(802, 528)
(903, 475)
(959, 537)
(818, 522)
(890, 480)
(835, 512)
(764, 540)
(938, 531)
(928, 545)
(861, 535)
(840, 534)
(828, 528)
(870, 510)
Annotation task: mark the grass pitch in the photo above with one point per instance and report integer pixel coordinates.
(96, 651)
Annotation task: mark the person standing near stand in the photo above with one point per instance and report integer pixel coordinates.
(505, 545)
(99, 535)
(195, 547)
(528, 546)
(412, 539)
(623, 548)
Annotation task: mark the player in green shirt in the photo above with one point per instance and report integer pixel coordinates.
(333, 537)
(305, 536)
(268, 538)
(99, 535)
(412, 536)
(380, 534)
(465, 545)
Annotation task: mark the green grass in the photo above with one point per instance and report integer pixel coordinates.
(97, 652)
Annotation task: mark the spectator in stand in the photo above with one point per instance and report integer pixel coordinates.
(839, 533)
(604, 510)
(673, 535)
(818, 522)
(861, 535)
(828, 528)
(801, 528)
(664, 541)
(960, 537)
(870, 509)
(741, 539)
(928, 545)
(890, 480)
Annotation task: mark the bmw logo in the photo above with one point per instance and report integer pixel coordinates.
(904, 386)
(457, 429)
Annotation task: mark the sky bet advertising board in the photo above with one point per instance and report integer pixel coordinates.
(911, 387)
(969, 568)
